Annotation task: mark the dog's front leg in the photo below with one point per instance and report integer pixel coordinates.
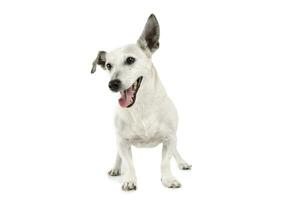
(129, 180)
(167, 178)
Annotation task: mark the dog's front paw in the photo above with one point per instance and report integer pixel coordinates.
(184, 166)
(114, 172)
(171, 182)
(129, 185)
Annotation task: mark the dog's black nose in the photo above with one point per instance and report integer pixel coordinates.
(114, 85)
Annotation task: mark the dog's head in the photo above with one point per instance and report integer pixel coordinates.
(129, 65)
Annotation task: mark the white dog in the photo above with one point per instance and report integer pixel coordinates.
(146, 116)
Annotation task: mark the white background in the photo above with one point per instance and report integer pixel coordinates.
(220, 61)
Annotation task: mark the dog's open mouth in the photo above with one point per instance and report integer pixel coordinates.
(128, 96)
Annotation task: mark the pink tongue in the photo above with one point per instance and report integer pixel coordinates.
(126, 97)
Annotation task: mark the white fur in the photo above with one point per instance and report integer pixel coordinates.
(150, 121)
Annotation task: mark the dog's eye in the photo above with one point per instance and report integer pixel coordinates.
(108, 66)
(130, 60)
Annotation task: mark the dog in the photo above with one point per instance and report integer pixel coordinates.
(145, 116)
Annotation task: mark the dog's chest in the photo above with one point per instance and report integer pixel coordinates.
(143, 131)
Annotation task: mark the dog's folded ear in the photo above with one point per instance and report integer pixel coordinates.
(150, 35)
(100, 60)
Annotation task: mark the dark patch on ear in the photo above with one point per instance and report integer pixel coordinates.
(150, 35)
(100, 60)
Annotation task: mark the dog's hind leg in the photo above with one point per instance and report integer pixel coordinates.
(183, 165)
(116, 170)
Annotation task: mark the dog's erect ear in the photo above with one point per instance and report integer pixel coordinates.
(100, 60)
(150, 35)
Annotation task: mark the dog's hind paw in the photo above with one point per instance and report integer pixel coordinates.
(129, 185)
(114, 172)
(171, 183)
(185, 166)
